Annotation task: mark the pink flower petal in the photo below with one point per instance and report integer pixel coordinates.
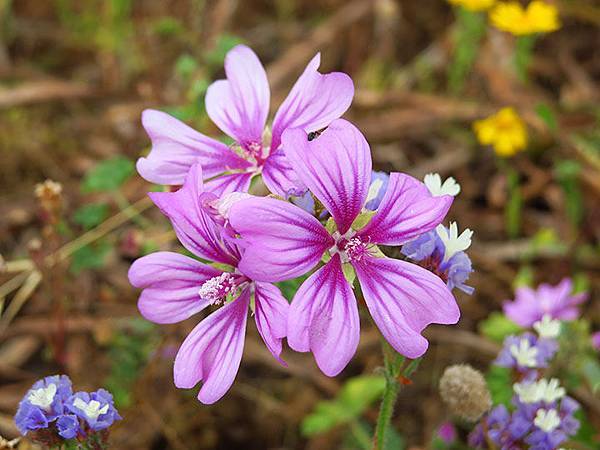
(323, 318)
(271, 312)
(176, 147)
(336, 167)
(225, 184)
(195, 229)
(407, 210)
(212, 352)
(281, 241)
(170, 284)
(314, 101)
(239, 105)
(280, 177)
(403, 299)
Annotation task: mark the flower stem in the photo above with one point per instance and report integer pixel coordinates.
(393, 363)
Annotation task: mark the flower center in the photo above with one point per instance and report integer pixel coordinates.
(216, 289)
(349, 247)
(92, 409)
(43, 397)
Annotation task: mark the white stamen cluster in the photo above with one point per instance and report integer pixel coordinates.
(524, 353)
(542, 390)
(547, 327)
(224, 204)
(453, 242)
(546, 420)
(43, 397)
(354, 250)
(217, 288)
(433, 181)
(92, 410)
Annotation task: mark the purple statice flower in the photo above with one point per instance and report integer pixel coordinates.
(175, 287)
(596, 340)
(96, 409)
(283, 241)
(557, 301)
(526, 352)
(437, 252)
(43, 403)
(68, 426)
(496, 423)
(239, 106)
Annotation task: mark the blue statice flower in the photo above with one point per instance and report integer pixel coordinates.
(526, 352)
(497, 422)
(68, 426)
(51, 414)
(442, 251)
(43, 403)
(96, 409)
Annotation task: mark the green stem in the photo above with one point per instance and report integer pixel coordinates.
(362, 437)
(523, 55)
(469, 29)
(393, 363)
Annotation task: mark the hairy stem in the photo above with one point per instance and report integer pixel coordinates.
(393, 363)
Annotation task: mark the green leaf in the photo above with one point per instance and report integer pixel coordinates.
(90, 257)
(108, 175)
(591, 372)
(88, 216)
(290, 287)
(547, 115)
(225, 42)
(497, 327)
(354, 398)
(499, 382)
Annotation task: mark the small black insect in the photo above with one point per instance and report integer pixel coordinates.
(315, 134)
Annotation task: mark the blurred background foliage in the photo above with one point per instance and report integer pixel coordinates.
(74, 78)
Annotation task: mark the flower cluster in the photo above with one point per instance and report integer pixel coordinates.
(556, 302)
(542, 415)
(505, 131)
(538, 17)
(329, 217)
(51, 413)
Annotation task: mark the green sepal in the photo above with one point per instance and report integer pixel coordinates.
(349, 273)
(223, 267)
(362, 220)
(330, 226)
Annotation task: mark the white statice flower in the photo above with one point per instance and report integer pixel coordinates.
(43, 397)
(92, 410)
(542, 390)
(547, 420)
(433, 181)
(224, 204)
(453, 242)
(524, 353)
(374, 189)
(547, 327)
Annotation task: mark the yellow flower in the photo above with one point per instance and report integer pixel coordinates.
(538, 17)
(505, 131)
(473, 5)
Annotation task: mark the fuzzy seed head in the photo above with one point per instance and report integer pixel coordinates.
(465, 392)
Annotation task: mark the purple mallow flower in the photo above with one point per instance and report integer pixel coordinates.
(43, 403)
(283, 241)
(239, 106)
(96, 409)
(526, 352)
(557, 301)
(175, 287)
